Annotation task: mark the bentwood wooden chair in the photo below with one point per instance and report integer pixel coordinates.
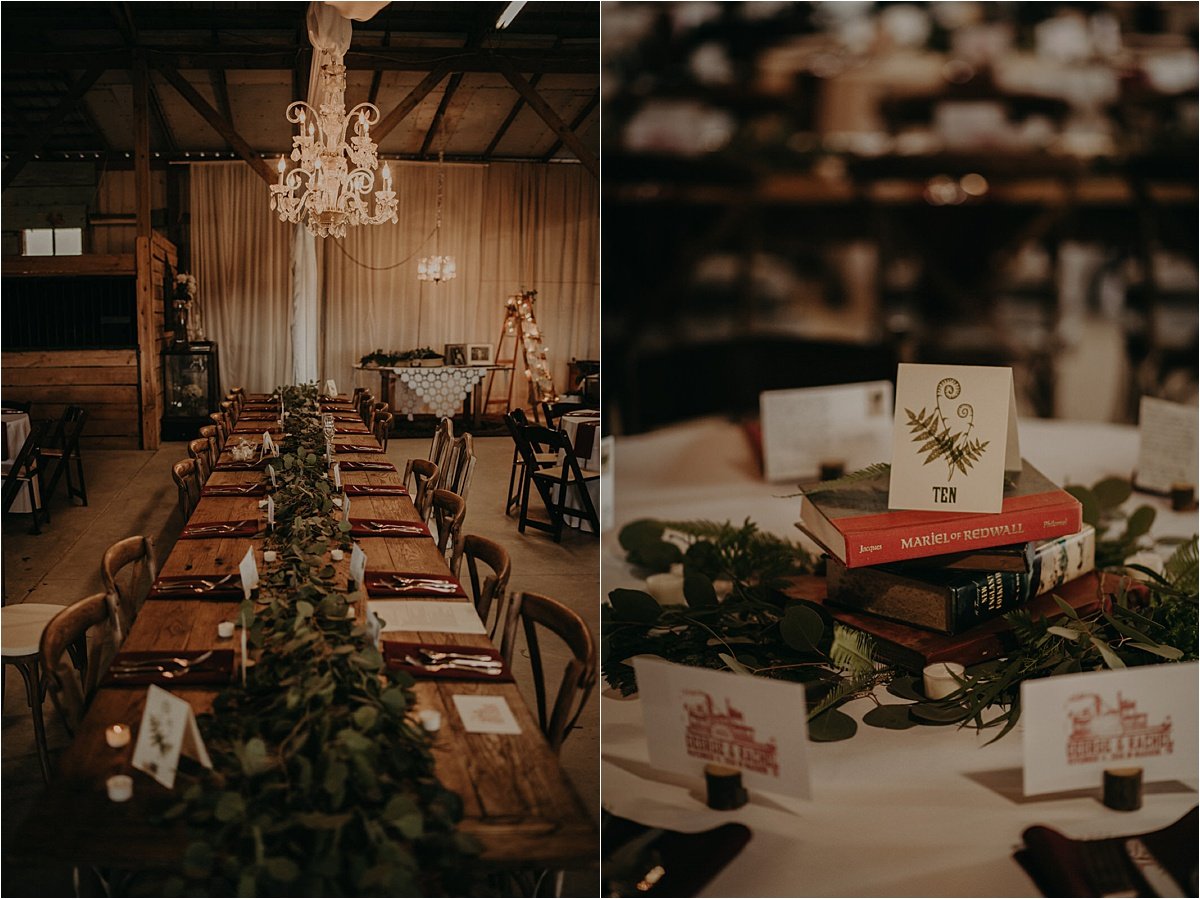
(21, 628)
(425, 474)
(449, 512)
(128, 569)
(218, 421)
(183, 473)
(383, 429)
(63, 450)
(460, 465)
(366, 405)
(534, 611)
(210, 433)
(488, 590)
(200, 453)
(439, 449)
(230, 415)
(71, 671)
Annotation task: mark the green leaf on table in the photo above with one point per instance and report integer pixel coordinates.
(640, 533)
(282, 869)
(698, 590)
(703, 556)
(658, 556)
(198, 859)
(1111, 492)
(404, 814)
(1166, 652)
(1091, 506)
(1065, 632)
(229, 807)
(831, 726)
(634, 605)
(365, 717)
(889, 717)
(906, 688)
(1111, 659)
(734, 665)
(937, 712)
(1139, 522)
(802, 628)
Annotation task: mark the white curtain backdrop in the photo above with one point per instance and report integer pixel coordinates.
(509, 226)
(242, 260)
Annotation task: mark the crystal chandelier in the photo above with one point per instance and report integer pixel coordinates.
(437, 268)
(334, 182)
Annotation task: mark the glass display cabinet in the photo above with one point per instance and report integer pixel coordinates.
(191, 388)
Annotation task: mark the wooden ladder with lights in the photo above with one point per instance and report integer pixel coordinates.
(520, 325)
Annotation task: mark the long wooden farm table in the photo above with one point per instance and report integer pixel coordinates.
(517, 800)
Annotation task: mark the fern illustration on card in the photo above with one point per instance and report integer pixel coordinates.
(950, 421)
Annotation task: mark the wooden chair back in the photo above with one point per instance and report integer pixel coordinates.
(426, 474)
(229, 413)
(449, 511)
(489, 590)
(358, 392)
(383, 429)
(366, 408)
(128, 569)
(439, 449)
(460, 465)
(210, 433)
(24, 472)
(534, 610)
(198, 449)
(64, 451)
(183, 473)
(553, 412)
(561, 486)
(65, 644)
(218, 421)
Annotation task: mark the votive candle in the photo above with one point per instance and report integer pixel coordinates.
(117, 735)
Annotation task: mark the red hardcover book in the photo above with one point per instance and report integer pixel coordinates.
(853, 522)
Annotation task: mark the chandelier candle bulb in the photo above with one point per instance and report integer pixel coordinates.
(939, 679)
(667, 588)
(117, 735)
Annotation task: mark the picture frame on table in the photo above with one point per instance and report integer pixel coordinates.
(479, 353)
(455, 353)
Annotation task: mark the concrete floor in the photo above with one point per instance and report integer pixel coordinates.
(131, 492)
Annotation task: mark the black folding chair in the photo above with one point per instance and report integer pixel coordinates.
(556, 485)
(63, 448)
(516, 419)
(554, 412)
(25, 476)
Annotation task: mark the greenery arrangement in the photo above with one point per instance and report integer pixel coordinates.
(322, 782)
(385, 360)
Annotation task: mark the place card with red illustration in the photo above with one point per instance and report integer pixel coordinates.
(696, 717)
(446, 662)
(953, 438)
(486, 715)
(1076, 725)
(365, 465)
(383, 527)
(216, 530)
(356, 448)
(374, 489)
(404, 583)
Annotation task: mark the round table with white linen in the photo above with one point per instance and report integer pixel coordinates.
(16, 431)
(582, 427)
(927, 811)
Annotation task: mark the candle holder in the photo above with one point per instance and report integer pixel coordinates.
(117, 735)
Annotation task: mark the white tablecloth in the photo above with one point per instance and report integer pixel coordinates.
(442, 389)
(570, 423)
(924, 812)
(16, 430)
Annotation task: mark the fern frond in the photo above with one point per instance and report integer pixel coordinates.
(1181, 568)
(879, 469)
(853, 650)
(848, 688)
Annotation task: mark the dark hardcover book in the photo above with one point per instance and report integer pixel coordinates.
(854, 523)
(913, 648)
(1015, 557)
(949, 600)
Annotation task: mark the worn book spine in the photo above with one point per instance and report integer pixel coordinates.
(894, 537)
(952, 602)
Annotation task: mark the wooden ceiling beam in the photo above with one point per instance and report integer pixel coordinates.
(220, 86)
(122, 14)
(220, 125)
(549, 116)
(376, 78)
(392, 59)
(511, 117)
(37, 140)
(575, 123)
(409, 103)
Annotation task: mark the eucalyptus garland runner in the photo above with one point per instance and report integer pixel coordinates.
(322, 782)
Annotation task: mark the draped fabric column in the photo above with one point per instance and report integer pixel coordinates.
(242, 260)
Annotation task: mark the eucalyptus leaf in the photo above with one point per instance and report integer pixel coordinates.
(634, 605)
(734, 665)
(640, 533)
(698, 590)
(802, 628)
(889, 717)
(1110, 493)
(832, 726)
(1091, 506)
(1139, 522)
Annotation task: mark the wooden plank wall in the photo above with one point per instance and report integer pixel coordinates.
(105, 382)
(164, 264)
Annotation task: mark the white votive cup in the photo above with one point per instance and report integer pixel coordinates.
(939, 679)
(337, 555)
(225, 629)
(117, 735)
(269, 555)
(431, 720)
(667, 588)
(120, 787)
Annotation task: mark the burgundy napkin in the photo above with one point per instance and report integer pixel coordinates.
(347, 428)
(260, 415)
(361, 465)
(218, 530)
(233, 490)
(373, 489)
(585, 438)
(394, 653)
(383, 527)
(395, 583)
(356, 448)
(689, 860)
(216, 669)
(191, 586)
(346, 416)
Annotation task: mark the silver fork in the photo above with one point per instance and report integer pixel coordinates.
(181, 664)
(435, 656)
(461, 665)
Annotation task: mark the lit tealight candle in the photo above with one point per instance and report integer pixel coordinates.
(939, 679)
(667, 588)
(117, 735)
(120, 787)
(225, 629)
(431, 720)
(269, 555)
(337, 555)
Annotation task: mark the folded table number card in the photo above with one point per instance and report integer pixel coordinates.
(801, 428)
(955, 435)
(697, 716)
(1076, 725)
(1166, 445)
(168, 730)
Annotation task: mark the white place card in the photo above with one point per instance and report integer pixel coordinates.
(1076, 725)
(345, 507)
(801, 428)
(608, 449)
(271, 474)
(358, 565)
(955, 436)
(168, 730)
(1167, 444)
(337, 475)
(427, 615)
(486, 715)
(249, 571)
(697, 716)
(330, 387)
(270, 512)
(268, 446)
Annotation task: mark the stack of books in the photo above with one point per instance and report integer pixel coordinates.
(947, 573)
